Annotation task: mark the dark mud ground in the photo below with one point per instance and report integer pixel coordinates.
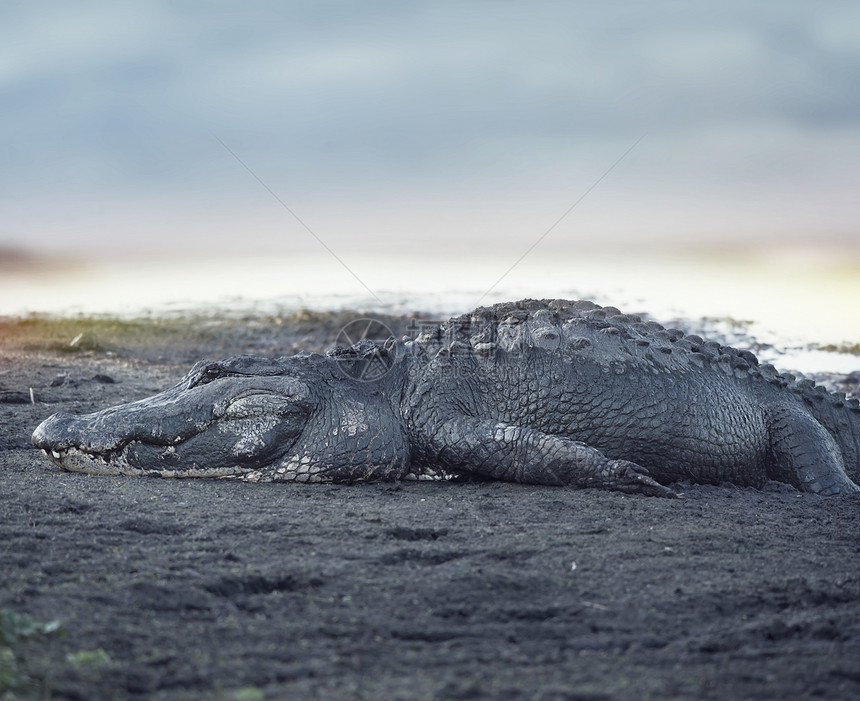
(122, 587)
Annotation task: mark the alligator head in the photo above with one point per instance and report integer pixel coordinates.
(251, 417)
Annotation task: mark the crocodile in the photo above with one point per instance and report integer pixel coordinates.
(549, 392)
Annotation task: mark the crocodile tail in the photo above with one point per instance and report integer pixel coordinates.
(841, 417)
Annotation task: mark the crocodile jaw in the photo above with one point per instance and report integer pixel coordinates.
(76, 460)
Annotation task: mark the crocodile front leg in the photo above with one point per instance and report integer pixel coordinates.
(519, 454)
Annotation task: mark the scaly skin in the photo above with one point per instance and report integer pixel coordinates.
(540, 392)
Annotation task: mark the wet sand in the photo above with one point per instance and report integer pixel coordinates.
(216, 589)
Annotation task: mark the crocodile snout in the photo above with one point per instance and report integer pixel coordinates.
(62, 432)
(54, 434)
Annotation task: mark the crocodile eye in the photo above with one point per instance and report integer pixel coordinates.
(212, 372)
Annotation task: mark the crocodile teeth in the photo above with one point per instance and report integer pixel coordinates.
(55, 454)
(44, 452)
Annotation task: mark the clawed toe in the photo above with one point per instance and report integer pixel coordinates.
(634, 479)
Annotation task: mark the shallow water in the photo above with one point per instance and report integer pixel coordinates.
(786, 307)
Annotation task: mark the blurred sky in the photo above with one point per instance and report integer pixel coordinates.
(389, 124)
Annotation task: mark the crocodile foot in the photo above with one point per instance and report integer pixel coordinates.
(628, 477)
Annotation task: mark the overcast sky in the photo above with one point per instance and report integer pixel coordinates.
(383, 125)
